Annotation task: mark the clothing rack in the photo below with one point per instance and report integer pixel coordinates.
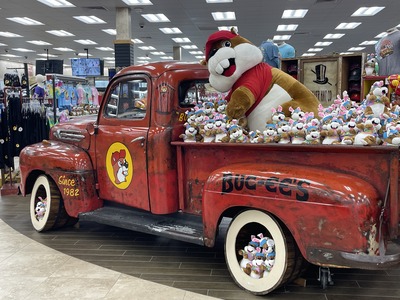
(67, 79)
(10, 188)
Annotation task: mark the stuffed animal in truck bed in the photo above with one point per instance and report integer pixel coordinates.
(235, 65)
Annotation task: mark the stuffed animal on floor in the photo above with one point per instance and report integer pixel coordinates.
(235, 65)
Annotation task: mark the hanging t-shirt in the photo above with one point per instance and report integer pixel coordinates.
(95, 96)
(88, 92)
(38, 92)
(286, 51)
(388, 53)
(81, 94)
(270, 53)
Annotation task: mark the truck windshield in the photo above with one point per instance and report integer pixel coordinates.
(127, 100)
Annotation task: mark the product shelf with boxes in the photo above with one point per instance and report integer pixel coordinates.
(328, 76)
(368, 81)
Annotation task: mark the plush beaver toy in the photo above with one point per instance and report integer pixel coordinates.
(235, 65)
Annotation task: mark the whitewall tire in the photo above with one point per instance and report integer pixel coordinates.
(46, 209)
(253, 222)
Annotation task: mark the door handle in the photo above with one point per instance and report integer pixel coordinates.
(139, 138)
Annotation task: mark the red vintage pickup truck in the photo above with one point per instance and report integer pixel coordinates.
(330, 205)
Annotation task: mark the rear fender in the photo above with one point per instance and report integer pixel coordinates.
(321, 208)
(71, 169)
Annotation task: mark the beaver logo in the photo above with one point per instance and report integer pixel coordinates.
(119, 165)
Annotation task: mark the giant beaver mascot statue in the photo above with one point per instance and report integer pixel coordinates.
(235, 65)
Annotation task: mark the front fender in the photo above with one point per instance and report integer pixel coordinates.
(71, 169)
(322, 209)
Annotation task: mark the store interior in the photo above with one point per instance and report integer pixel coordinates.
(47, 79)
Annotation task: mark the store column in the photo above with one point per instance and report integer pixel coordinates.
(177, 53)
(123, 45)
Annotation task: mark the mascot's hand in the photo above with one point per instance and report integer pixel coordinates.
(240, 102)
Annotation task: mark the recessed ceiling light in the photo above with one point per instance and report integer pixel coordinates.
(367, 11)
(25, 21)
(22, 50)
(143, 57)
(348, 25)
(200, 56)
(223, 16)
(173, 30)
(290, 27)
(368, 43)
(60, 33)
(40, 43)
(10, 55)
(138, 2)
(381, 35)
(57, 3)
(309, 54)
(294, 13)
(346, 53)
(90, 19)
(1, 44)
(84, 54)
(219, 1)
(322, 44)
(315, 49)
(356, 48)
(181, 40)
(228, 28)
(137, 41)
(281, 37)
(110, 31)
(166, 57)
(104, 48)
(64, 49)
(46, 55)
(109, 58)
(189, 47)
(333, 36)
(157, 53)
(196, 52)
(9, 34)
(147, 48)
(85, 42)
(154, 18)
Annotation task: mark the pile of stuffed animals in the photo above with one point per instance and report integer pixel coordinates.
(258, 256)
(265, 105)
(372, 122)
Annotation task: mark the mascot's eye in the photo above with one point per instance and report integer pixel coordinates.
(226, 44)
(212, 52)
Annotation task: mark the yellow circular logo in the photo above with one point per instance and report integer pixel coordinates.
(119, 165)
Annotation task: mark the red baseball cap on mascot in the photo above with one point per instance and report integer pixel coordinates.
(215, 37)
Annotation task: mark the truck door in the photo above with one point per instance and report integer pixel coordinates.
(121, 142)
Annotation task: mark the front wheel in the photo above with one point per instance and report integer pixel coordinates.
(46, 206)
(259, 252)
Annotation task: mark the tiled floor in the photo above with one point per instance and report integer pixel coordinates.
(94, 261)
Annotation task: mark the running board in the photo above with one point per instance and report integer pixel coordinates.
(178, 226)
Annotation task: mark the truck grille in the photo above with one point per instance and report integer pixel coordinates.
(69, 135)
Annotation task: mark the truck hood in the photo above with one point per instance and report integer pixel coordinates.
(76, 131)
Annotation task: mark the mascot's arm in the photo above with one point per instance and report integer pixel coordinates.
(301, 95)
(240, 102)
